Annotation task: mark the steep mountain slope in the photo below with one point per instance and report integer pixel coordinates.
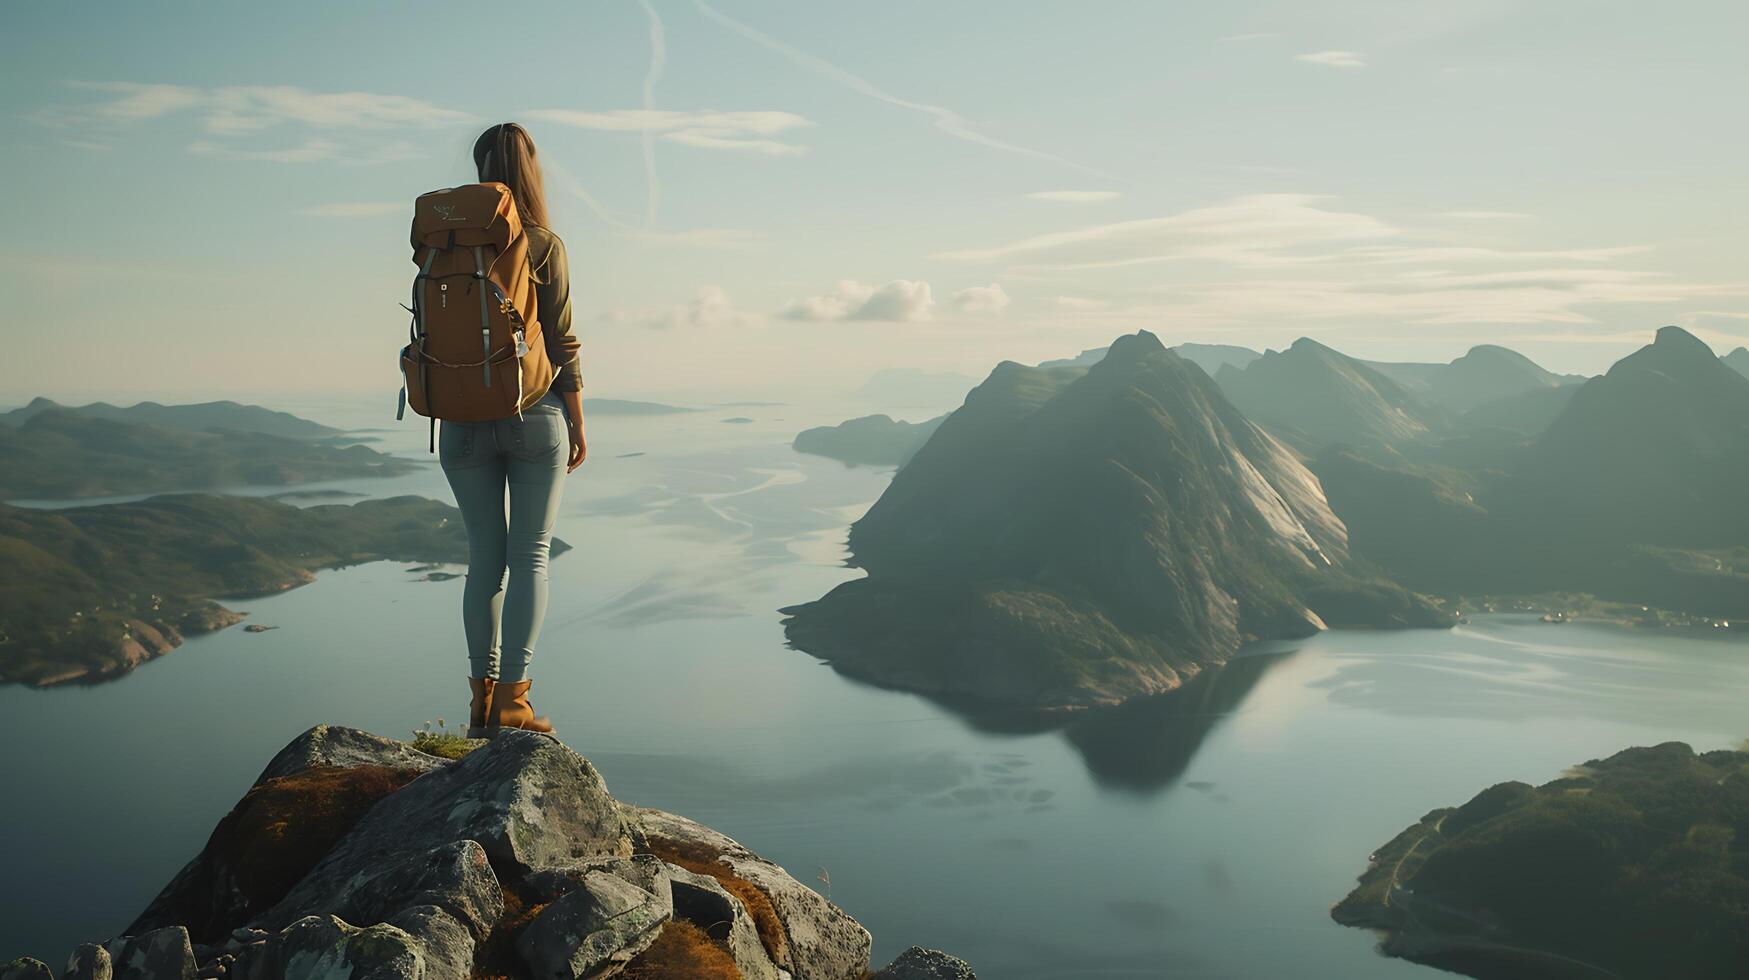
(1317, 397)
(1078, 538)
(1654, 452)
(1486, 374)
(1209, 357)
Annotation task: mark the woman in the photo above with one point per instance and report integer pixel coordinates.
(528, 456)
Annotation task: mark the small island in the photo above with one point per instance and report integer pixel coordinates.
(1632, 866)
(872, 440)
(93, 592)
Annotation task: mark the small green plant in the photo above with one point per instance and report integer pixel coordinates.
(441, 742)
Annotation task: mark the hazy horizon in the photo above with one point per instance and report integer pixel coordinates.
(788, 197)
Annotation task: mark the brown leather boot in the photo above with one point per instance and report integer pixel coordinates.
(482, 688)
(510, 709)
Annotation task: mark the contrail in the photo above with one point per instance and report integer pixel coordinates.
(946, 120)
(551, 166)
(658, 59)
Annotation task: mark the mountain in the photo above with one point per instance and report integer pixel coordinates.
(1738, 360)
(1316, 397)
(1630, 866)
(908, 388)
(1655, 452)
(353, 855)
(1633, 494)
(226, 415)
(1528, 413)
(92, 592)
(1074, 537)
(68, 453)
(1209, 357)
(873, 440)
(1213, 357)
(1486, 374)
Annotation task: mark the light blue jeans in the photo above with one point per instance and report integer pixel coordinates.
(505, 598)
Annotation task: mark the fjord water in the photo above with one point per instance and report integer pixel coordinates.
(1201, 835)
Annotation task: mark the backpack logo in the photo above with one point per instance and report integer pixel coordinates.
(444, 211)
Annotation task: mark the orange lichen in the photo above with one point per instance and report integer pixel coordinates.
(273, 836)
(705, 860)
(682, 951)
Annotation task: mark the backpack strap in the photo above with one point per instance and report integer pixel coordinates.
(485, 317)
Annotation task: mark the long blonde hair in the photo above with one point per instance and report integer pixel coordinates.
(505, 153)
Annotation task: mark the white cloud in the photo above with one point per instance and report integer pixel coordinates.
(899, 300)
(135, 100)
(1075, 197)
(981, 299)
(746, 131)
(1332, 59)
(709, 309)
(357, 209)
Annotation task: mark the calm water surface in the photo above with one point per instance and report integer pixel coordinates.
(1203, 835)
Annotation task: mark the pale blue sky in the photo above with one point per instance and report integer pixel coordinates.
(207, 198)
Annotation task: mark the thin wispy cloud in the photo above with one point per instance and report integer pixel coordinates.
(356, 209)
(945, 119)
(1260, 225)
(1332, 59)
(745, 131)
(227, 114)
(901, 300)
(309, 151)
(1075, 197)
(658, 59)
(1481, 215)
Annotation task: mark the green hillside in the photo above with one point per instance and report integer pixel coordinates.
(1634, 866)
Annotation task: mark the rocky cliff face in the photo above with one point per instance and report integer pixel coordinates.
(356, 856)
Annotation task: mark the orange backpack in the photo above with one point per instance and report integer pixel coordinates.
(475, 351)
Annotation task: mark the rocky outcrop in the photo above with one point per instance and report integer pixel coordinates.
(918, 963)
(355, 856)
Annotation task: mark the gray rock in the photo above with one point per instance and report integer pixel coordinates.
(88, 962)
(454, 877)
(331, 745)
(823, 943)
(25, 968)
(703, 901)
(918, 963)
(322, 947)
(644, 870)
(528, 801)
(161, 954)
(596, 928)
(446, 946)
